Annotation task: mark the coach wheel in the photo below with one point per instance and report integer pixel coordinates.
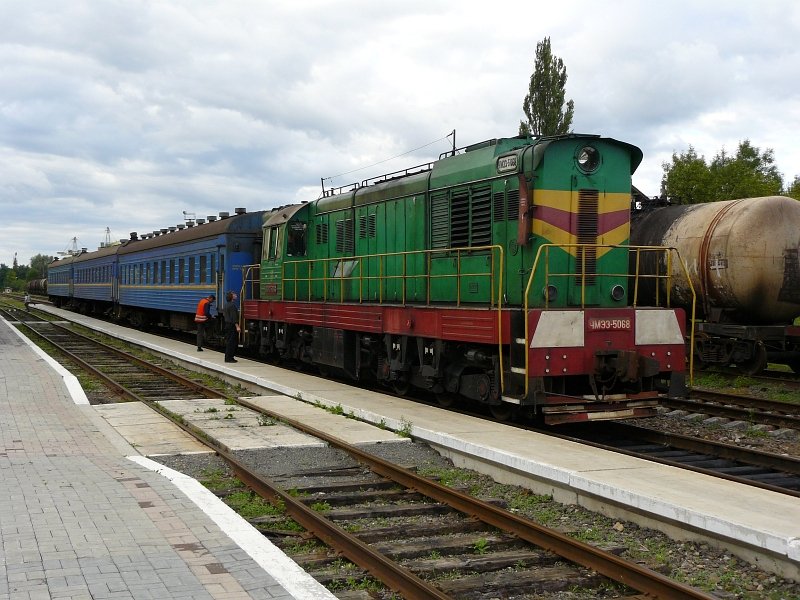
(502, 412)
(446, 399)
(401, 387)
(758, 363)
(794, 364)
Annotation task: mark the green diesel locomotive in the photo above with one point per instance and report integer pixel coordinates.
(498, 274)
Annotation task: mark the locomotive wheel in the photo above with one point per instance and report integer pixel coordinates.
(758, 363)
(502, 412)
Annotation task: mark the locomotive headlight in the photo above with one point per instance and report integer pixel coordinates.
(588, 159)
(617, 293)
(550, 293)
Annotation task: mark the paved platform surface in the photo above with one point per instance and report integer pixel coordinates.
(80, 520)
(758, 525)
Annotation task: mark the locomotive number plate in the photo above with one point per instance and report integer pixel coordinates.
(609, 324)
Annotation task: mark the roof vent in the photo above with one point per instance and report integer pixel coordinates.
(224, 215)
(164, 230)
(190, 223)
(200, 221)
(240, 211)
(134, 235)
(156, 233)
(172, 229)
(181, 226)
(211, 218)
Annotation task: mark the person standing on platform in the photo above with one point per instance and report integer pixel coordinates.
(202, 317)
(231, 315)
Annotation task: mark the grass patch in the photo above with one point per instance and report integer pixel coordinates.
(249, 505)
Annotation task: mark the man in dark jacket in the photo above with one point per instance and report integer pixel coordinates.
(231, 315)
(202, 317)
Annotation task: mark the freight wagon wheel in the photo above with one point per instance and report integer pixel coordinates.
(758, 363)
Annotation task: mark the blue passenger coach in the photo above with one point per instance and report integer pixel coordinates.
(60, 280)
(94, 279)
(158, 278)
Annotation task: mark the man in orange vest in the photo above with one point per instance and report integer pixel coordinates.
(202, 317)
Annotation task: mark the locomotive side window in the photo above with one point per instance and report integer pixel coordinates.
(296, 242)
(274, 243)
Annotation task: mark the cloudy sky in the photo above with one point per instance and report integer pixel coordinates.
(123, 114)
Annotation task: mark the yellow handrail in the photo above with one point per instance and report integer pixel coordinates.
(494, 275)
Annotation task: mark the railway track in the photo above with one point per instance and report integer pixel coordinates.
(743, 465)
(739, 407)
(480, 547)
(126, 375)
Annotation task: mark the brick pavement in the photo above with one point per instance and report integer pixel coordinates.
(78, 520)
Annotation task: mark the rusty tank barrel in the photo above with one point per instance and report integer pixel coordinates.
(743, 256)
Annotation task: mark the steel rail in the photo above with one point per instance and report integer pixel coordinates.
(783, 464)
(633, 575)
(738, 412)
(747, 401)
(389, 572)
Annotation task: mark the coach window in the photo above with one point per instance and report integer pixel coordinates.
(181, 267)
(203, 260)
(191, 269)
(213, 269)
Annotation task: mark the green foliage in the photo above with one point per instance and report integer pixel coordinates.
(793, 190)
(688, 179)
(406, 427)
(39, 266)
(481, 546)
(544, 103)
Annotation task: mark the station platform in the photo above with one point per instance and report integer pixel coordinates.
(81, 520)
(760, 526)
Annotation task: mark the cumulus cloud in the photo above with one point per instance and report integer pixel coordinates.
(123, 115)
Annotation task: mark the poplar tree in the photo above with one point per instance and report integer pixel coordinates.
(544, 103)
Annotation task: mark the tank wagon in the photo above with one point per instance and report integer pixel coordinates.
(159, 277)
(37, 287)
(497, 274)
(744, 262)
